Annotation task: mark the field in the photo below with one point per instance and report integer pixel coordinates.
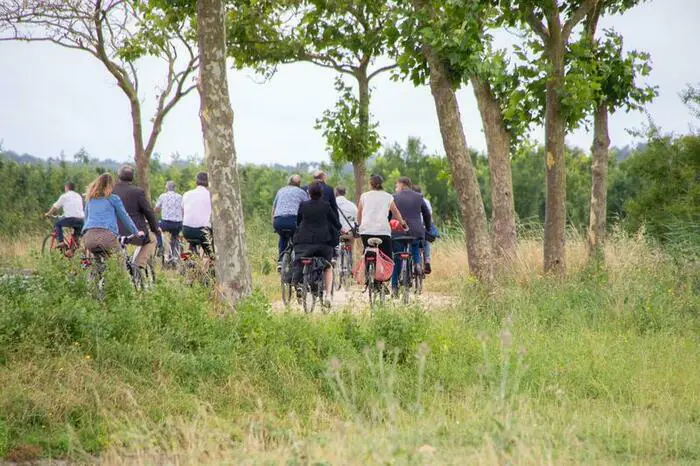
(599, 368)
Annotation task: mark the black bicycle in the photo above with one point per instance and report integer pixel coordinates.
(376, 289)
(286, 261)
(410, 274)
(344, 262)
(312, 288)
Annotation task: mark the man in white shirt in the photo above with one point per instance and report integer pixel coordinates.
(196, 219)
(73, 213)
(169, 206)
(346, 209)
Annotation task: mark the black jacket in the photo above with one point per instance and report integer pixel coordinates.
(137, 206)
(329, 197)
(316, 223)
(415, 211)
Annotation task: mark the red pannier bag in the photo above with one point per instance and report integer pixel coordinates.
(384, 269)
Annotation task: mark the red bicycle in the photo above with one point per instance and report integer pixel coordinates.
(70, 244)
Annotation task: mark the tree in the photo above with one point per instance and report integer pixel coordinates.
(232, 267)
(117, 33)
(613, 80)
(422, 59)
(347, 36)
(346, 136)
(550, 25)
(691, 98)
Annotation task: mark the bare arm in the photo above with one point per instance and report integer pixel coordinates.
(358, 218)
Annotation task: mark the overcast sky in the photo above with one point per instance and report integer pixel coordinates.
(52, 99)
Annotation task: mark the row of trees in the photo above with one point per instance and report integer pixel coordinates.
(562, 75)
(653, 186)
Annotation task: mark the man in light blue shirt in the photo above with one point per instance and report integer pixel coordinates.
(285, 208)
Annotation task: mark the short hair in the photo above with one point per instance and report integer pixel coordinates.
(294, 180)
(126, 173)
(340, 191)
(376, 182)
(404, 180)
(315, 190)
(203, 179)
(319, 175)
(170, 185)
(70, 185)
(417, 188)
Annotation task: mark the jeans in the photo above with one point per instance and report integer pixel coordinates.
(285, 222)
(400, 246)
(68, 222)
(427, 247)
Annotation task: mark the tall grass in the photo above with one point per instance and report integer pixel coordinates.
(599, 368)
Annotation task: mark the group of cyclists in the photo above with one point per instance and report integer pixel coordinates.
(315, 217)
(111, 210)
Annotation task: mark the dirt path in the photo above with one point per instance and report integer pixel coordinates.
(356, 301)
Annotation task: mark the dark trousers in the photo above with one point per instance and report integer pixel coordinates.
(68, 222)
(174, 229)
(401, 246)
(385, 247)
(200, 237)
(282, 223)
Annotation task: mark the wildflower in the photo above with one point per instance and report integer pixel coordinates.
(381, 345)
(87, 357)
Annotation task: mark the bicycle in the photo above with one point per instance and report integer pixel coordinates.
(410, 275)
(344, 263)
(97, 263)
(170, 254)
(377, 290)
(67, 247)
(312, 288)
(286, 268)
(195, 264)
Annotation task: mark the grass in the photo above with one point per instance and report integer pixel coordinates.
(599, 368)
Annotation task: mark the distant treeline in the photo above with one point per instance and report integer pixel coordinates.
(656, 185)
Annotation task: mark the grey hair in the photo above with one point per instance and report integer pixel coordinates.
(294, 180)
(320, 175)
(126, 173)
(170, 185)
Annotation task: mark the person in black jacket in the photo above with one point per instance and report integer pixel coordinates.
(140, 211)
(317, 224)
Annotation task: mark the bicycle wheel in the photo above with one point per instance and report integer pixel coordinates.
(405, 281)
(348, 269)
(339, 271)
(371, 285)
(285, 272)
(308, 297)
(150, 275)
(96, 279)
(418, 281)
(48, 244)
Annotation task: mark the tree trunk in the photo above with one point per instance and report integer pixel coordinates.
(503, 231)
(555, 165)
(359, 163)
(232, 268)
(359, 169)
(141, 157)
(463, 173)
(599, 174)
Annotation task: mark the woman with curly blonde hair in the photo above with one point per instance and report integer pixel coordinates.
(102, 210)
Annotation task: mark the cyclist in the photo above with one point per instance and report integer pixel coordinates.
(73, 215)
(285, 208)
(430, 235)
(328, 195)
(139, 209)
(373, 215)
(316, 227)
(346, 208)
(196, 221)
(412, 205)
(169, 206)
(103, 210)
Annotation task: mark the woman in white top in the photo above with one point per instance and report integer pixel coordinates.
(373, 214)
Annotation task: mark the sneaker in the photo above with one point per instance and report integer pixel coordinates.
(427, 268)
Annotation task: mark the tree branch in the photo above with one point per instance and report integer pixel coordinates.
(537, 26)
(577, 17)
(382, 70)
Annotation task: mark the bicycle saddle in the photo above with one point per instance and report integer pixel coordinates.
(374, 242)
